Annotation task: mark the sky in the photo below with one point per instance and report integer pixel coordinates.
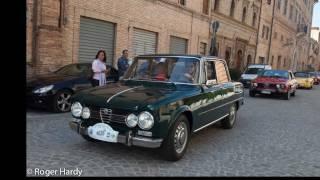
(316, 15)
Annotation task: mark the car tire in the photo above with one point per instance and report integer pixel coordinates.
(175, 145)
(287, 95)
(252, 94)
(229, 121)
(61, 101)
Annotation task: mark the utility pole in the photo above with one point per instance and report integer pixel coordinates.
(271, 31)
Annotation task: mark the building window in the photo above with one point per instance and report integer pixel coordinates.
(254, 19)
(263, 29)
(203, 48)
(285, 7)
(281, 38)
(233, 5)
(269, 2)
(182, 2)
(296, 15)
(290, 13)
(279, 4)
(244, 14)
(216, 5)
(278, 62)
(267, 34)
(261, 60)
(205, 8)
(275, 35)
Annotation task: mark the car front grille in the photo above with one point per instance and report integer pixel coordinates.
(264, 85)
(107, 115)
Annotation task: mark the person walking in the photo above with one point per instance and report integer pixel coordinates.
(123, 63)
(99, 69)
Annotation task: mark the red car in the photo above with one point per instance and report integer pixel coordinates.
(280, 82)
(316, 77)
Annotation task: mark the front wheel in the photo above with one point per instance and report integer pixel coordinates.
(252, 94)
(175, 145)
(286, 96)
(230, 120)
(61, 101)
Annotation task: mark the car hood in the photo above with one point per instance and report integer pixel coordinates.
(249, 76)
(48, 79)
(134, 96)
(270, 80)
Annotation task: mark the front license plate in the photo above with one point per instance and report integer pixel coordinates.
(103, 132)
(266, 92)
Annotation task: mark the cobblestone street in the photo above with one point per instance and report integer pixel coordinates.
(272, 137)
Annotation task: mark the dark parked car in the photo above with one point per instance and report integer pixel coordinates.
(53, 90)
(278, 82)
(161, 101)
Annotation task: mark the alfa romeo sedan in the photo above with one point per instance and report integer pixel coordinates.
(277, 82)
(159, 103)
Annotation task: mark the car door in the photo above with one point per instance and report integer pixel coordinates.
(84, 79)
(214, 94)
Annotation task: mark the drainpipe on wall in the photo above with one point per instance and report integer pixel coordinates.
(35, 31)
(257, 39)
(271, 34)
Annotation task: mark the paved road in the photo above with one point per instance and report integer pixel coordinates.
(272, 137)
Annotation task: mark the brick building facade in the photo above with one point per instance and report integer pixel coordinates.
(54, 31)
(61, 32)
(284, 37)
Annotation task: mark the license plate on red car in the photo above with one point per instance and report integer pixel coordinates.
(266, 92)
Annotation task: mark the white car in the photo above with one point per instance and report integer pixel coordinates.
(252, 72)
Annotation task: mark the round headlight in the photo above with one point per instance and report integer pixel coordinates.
(145, 120)
(131, 120)
(76, 109)
(278, 86)
(254, 84)
(85, 113)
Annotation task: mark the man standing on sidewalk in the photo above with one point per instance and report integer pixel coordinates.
(123, 63)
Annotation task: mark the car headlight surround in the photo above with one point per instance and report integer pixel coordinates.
(283, 86)
(132, 120)
(76, 109)
(145, 120)
(43, 89)
(85, 113)
(278, 86)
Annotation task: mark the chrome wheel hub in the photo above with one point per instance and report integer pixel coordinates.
(232, 114)
(63, 102)
(180, 137)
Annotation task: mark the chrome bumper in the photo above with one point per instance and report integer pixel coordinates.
(126, 139)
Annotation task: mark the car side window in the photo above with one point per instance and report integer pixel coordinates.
(221, 72)
(211, 76)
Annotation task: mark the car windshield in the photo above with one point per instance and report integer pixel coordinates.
(74, 70)
(166, 69)
(275, 74)
(253, 70)
(301, 74)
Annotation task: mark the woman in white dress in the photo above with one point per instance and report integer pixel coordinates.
(99, 69)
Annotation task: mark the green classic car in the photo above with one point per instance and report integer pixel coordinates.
(159, 103)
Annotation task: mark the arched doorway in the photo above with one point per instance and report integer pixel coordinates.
(227, 57)
(249, 59)
(239, 59)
